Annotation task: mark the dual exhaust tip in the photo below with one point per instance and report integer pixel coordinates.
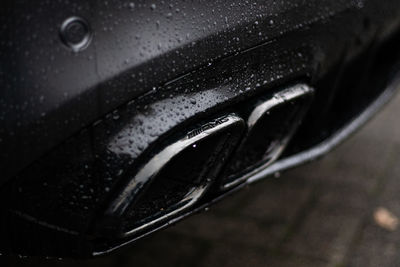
(210, 157)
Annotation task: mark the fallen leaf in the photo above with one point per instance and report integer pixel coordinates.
(385, 219)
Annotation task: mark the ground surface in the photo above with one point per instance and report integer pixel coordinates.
(321, 214)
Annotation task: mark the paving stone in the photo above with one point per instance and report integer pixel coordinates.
(235, 231)
(376, 246)
(164, 250)
(263, 219)
(390, 195)
(277, 199)
(225, 255)
(325, 234)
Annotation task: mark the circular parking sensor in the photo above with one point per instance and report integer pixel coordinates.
(75, 33)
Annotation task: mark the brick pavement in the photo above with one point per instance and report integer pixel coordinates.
(319, 214)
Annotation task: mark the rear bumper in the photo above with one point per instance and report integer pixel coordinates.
(63, 171)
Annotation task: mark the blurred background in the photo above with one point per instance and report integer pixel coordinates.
(341, 210)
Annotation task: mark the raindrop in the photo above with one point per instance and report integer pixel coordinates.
(115, 116)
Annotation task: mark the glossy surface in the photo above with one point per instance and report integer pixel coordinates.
(77, 125)
(49, 93)
(187, 168)
(270, 126)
